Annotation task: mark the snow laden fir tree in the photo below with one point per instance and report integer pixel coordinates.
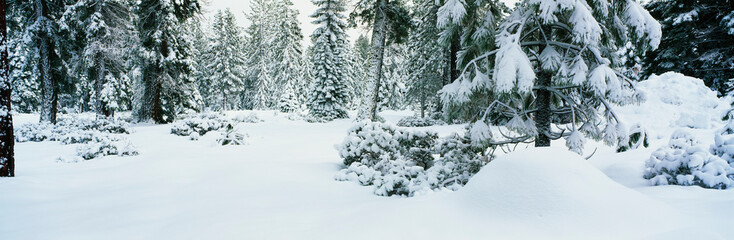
(226, 63)
(106, 33)
(166, 87)
(328, 96)
(555, 64)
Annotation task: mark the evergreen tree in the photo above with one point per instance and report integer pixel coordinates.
(427, 61)
(566, 40)
(329, 97)
(288, 102)
(390, 22)
(167, 86)
(104, 28)
(260, 53)
(26, 96)
(360, 71)
(697, 42)
(395, 75)
(467, 30)
(201, 37)
(287, 48)
(7, 141)
(39, 21)
(226, 61)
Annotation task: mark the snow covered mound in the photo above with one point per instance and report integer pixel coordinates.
(675, 100)
(559, 189)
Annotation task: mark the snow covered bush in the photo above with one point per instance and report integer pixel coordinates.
(231, 136)
(200, 124)
(414, 121)
(99, 137)
(724, 143)
(69, 130)
(407, 162)
(418, 146)
(247, 118)
(458, 161)
(105, 147)
(367, 142)
(686, 162)
(637, 138)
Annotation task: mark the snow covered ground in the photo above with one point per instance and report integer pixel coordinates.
(281, 186)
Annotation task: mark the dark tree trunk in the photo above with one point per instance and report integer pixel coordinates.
(544, 114)
(379, 33)
(7, 141)
(423, 104)
(99, 105)
(48, 80)
(543, 104)
(453, 58)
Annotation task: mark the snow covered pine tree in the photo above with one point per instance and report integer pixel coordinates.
(225, 61)
(40, 19)
(390, 23)
(547, 47)
(166, 86)
(7, 141)
(698, 41)
(105, 29)
(328, 97)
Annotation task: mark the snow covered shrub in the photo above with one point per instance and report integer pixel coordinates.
(399, 178)
(415, 121)
(200, 124)
(231, 136)
(686, 162)
(458, 161)
(69, 130)
(418, 146)
(637, 137)
(367, 142)
(99, 137)
(724, 143)
(357, 172)
(105, 148)
(404, 162)
(247, 118)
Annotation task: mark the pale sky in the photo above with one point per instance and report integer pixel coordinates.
(304, 7)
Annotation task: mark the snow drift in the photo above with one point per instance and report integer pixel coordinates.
(562, 192)
(675, 100)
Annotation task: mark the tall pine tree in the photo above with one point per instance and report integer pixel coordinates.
(390, 22)
(104, 29)
(260, 54)
(328, 96)
(226, 62)
(39, 20)
(427, 60)
(287, 49)
(166, 87)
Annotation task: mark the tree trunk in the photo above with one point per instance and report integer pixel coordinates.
(543, 115)
(48, 82)
(543, 104)
(99, 105)
(423, 104)
(453, 58)
(7, 140)
(379, 32)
